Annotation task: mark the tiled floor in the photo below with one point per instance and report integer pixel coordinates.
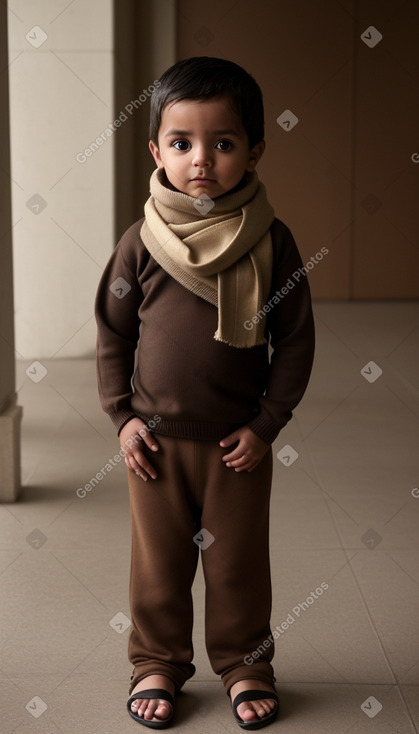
(343, 514)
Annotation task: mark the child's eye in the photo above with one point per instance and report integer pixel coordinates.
(181, 145)
(224, 145)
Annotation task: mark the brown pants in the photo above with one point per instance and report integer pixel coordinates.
(194, 490)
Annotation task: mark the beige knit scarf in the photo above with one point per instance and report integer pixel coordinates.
(222, 254)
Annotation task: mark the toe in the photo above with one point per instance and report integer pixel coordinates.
(251, 710)
(267, 704)
(151, 708)
(142, 706)
(163, 709)
(246, 712)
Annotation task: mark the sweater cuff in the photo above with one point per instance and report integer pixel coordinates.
(264, 428)
(119, 419)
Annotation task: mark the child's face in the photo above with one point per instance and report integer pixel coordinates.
(203, 147)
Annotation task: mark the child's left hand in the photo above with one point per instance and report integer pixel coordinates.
(248, 453)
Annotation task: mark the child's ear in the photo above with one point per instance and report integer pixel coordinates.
(255, 155)
(156, 154)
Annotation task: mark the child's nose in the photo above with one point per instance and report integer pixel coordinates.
(202, 156)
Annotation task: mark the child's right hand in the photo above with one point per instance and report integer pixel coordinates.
(131, 437)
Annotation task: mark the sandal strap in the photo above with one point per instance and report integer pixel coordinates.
(253, 695)
(149, 693)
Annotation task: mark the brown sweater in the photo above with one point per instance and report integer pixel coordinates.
(198, 387)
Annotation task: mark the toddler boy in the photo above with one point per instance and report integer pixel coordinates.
(206, 340)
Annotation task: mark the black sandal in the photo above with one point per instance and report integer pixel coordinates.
(152, 693)
(255, 696)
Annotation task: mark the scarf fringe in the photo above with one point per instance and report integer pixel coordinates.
(239, 346)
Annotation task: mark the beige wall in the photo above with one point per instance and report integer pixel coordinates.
(343, 177)
(60, 102)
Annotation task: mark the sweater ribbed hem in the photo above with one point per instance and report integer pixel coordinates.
(196, 430)
(200, 430)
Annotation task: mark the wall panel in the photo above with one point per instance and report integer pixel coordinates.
(343, 176)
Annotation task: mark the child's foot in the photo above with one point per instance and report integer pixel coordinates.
(153, 709)
(252, 710)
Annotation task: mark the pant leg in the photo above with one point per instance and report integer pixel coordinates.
(163, 564)
(235, 509)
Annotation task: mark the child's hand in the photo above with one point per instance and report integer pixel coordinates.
(249, 452)
(131, 437)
